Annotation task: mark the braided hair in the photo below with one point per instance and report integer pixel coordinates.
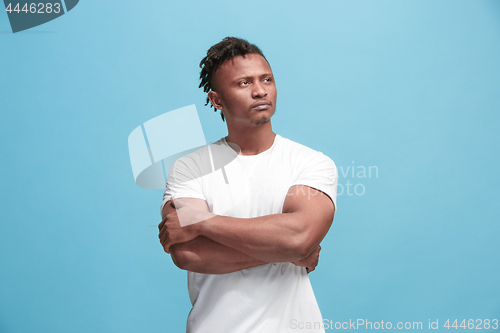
(228, 48)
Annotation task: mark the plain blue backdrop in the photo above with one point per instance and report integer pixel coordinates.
(411, 88)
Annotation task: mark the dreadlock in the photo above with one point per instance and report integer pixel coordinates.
(228, 48)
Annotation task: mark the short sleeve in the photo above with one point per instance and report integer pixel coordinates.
(183, 181)
(319, 172)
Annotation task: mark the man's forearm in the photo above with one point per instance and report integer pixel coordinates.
(290, 236)
(272, 238)
(203, 255)
(286, 237)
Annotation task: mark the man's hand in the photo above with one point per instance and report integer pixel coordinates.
(310, 262)
(203, 255)
(177, 227)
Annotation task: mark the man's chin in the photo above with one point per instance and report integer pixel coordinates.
(262, 121)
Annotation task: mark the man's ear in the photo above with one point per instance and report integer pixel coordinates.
(215, 99)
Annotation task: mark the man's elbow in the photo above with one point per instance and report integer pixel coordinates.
(300, 251)
(303, 244)
(182, 258)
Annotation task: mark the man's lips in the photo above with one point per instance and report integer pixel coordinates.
(262, 105)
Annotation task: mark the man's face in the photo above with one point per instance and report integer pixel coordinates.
(245, 90)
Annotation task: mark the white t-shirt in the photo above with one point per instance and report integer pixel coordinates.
(275, 297)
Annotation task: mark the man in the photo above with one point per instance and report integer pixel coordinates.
(249, 232)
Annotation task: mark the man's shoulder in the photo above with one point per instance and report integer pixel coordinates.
(196, 152)
(204, 159)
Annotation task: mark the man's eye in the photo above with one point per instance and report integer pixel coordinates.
(243, 83)
(267, 79)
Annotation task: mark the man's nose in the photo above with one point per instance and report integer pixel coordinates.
(259, 90)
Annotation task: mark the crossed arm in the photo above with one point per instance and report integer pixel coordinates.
(221, 244)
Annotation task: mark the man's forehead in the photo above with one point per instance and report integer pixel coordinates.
(249, 64)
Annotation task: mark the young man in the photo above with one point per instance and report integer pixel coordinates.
(249, 232)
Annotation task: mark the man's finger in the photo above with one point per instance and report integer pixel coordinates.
(162, 223)
(163, 235)
(163, 228)
(165, 244)
(162, 231)
(166, 247)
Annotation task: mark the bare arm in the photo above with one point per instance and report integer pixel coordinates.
(203, 255)
(289, 236)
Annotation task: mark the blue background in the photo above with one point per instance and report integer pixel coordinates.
(411, 87)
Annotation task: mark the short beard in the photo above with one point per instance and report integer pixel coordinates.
(265, 120)
(262, 121)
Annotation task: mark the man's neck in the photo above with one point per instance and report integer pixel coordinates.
(252, 140)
